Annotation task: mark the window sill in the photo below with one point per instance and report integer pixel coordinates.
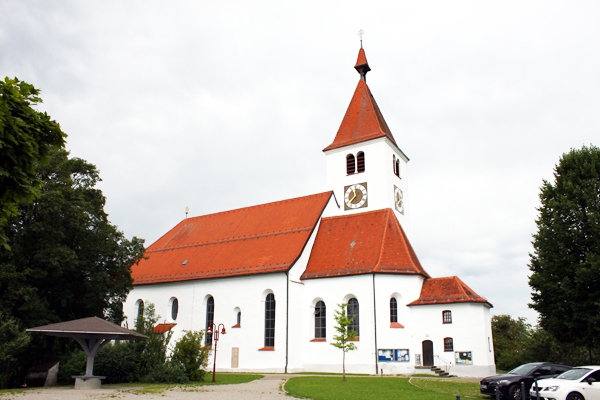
(356, 339)
(446, 323)
(237, 326)
(319, 340)
(267, 349)
(206, 347)
(396, 325)
(448, 351)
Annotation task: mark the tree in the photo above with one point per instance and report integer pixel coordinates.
(26, 138)
(511, 340)
(191, 354)
(67, 260)
(153, 351)
(565, 264)
(345, 337)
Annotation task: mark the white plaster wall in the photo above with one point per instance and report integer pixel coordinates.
(379, 175)
(246, 293)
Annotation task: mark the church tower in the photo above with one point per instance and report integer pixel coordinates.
(365, 167)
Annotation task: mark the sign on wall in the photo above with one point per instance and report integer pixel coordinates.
(463, 357)
(401, 355)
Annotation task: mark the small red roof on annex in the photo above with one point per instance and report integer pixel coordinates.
(363, 120)
(362, 243)
(252, 240)
(447, 290)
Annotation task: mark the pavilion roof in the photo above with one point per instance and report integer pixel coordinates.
(88, 327)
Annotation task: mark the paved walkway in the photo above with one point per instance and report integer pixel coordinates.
(269, 387)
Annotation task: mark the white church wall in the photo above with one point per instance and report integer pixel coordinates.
(469, 331)
(322, 356)
(379, 176)
(246, 293)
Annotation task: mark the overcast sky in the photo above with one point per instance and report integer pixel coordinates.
(225, 104)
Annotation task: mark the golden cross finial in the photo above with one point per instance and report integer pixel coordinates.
(361, 33)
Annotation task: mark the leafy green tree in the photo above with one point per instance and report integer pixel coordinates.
(26, 138)
(14, 341)
(67, 261)
(511, 340)
(565, 264)
(191, 354)
(344, 339)
(152, 352)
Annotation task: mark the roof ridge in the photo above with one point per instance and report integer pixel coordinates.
(383, 239)
(296, 230)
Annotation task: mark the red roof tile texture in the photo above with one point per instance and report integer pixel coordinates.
(362, 58)
(363, 120)
(355, 244)
(446, 291)
(252, 240)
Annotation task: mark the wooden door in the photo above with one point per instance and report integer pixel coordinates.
(427, 353)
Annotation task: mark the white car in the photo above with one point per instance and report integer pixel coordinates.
(579, 383)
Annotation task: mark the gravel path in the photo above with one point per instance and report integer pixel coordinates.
(269, 387)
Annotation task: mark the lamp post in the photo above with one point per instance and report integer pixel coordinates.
(214, 330)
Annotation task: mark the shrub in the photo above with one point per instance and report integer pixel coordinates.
(191, 355)
(166, 373)
(118, 362)
(71, 364)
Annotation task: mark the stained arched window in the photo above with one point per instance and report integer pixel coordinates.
(210, 318)
(447, 317)
(174, 309)
(448, 344)
(393, 310)
(140, 312)
(360, 162)
(353, 312)
(270, 320)
(350, 164)
(320, 327)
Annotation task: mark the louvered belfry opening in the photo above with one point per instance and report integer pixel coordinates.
(360, 164)
(350, 164)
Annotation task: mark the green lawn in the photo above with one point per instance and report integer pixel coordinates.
(365, 388)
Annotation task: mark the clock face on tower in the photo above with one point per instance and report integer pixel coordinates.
(355, 196)
(398, 200)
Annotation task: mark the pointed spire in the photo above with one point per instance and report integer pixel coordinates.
(362, 66)
(363, 120)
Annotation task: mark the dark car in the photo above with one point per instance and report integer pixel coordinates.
(509, 384)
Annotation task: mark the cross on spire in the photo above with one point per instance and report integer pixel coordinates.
(361, 33)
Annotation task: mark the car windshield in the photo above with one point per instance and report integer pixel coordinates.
(523, 369)
(573, 374)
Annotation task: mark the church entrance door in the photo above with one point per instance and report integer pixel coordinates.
(427, 353)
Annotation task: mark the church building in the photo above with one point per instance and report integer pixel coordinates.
(273, 274)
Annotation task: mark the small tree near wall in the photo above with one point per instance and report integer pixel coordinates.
(345, 337)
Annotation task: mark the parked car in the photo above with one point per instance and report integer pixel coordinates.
(509, 384)
(579, 383)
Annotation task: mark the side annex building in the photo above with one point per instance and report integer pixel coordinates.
(274, 273)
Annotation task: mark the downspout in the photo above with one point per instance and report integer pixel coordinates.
(287, 318)
(375, 320)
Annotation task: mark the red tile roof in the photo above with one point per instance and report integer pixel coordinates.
(162, 328)
(447, 290)
(361, 244)
(362, 58)
(252, 240)
(363, 120)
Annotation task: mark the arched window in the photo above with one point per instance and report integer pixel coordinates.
(448, 344)
(398, 168)
(320, 329)
(394, 163)
(210, 318)
(393, 310)
(174, 309)
(270, 320)
(353, 312)
(239, 318)
(447, 317)
(350, 164)
(140, 308)
(360, 162)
